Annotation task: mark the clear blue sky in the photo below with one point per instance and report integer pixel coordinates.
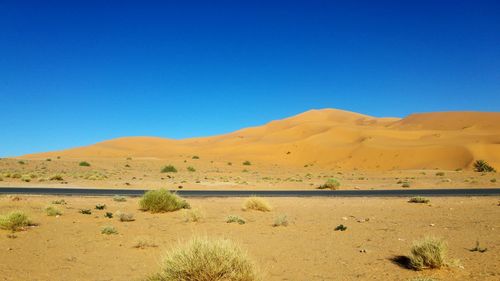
(77, 72)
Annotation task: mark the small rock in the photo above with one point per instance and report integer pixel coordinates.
(344, 218)
(431, 224)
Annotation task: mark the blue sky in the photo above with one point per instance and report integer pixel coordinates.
(74, 73)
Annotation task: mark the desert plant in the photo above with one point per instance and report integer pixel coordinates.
(281, 220)
(59, 202)
(16, 176)
(247, 163)
(257, 203)
(483, 166)
(169, 169)
(26, 178)
(108, 215)
(229, 163)
(236, 219)
(340, 227)
(196, 157)
(56, 178)
(84, 164)
(193, 215)
(14, 221)
(191, 169)
(478, 248)
(118, 198)
(124, 217)
(419, 199)
(162, 200)
(405, 184)
(206, 259)
(85, 211)
(100, 206)
(109, 230)
(331, 183)
(428, 253)
(440, 174)
(52, 211)
(21, 162)
(144, 242)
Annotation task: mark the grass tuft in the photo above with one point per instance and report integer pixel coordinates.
(205, 259)
(428, 253)
(109, 230)
(483, 166)
(236, 219)
(52, 211)
(84, 164)
(281, 220)
(118, 198)
(419, 199)
(330, 184)
(257, 203)
(193, 215)
(162, 200)
(14, 221)
(169, 169)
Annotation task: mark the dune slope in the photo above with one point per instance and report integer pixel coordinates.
(329, 138)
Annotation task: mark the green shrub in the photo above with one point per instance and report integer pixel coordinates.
(405, 185)
(84, 164)
(162, 200)
(85, 211)
(109, 230)
(428, 253)
(257, 203)
(26, 178)
(196, 157)
(419, 199)
(483, 166)
(52, 211)
(100, 206)
(237, 219)
(440, 174)
(169, 169)
(340, 227)
(247, 163)
(56, 178)
(330, 184)
(118, 198)
(59, 202)
(193, 215)
(202, 259)
(191, 169)
(108, 215)
(281, 220)
(14, 221)
(493, 180)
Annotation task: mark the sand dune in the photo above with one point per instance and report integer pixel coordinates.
(329, 138)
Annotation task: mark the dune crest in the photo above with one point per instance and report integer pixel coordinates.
(330, 138)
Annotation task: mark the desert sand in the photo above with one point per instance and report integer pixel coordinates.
(430, 150)
(71, 247)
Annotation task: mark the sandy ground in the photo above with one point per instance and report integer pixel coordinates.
(140, 173)
(71, 247)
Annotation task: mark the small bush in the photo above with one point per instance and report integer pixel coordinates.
(84, 164)
(440, 174)
(203, 259)
(483, 166)
(340, 227)
(162, 200)
(109, 230)
(493, 180)
(48, 159)
(56, 178)
(169, 169)
(144, 242)
(118, 198)
(59, 202)
(191, 169)
(428, 253)
(257, 203)
(247, 163)
(236, 219)
(14, 221)
(281, 220)
(108, 215)
(16, 176)
(26, 178)
(193, 215)
(330, 184)
(85, 211)
(196, 157)
(229, 163)
(52, 211)
(21, 162)
(405, 185)
(125, 217)
(419, 199)
(100, 206)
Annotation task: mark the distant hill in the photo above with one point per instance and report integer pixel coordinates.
(329, 138)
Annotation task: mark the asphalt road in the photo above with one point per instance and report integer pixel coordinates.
(264, 193)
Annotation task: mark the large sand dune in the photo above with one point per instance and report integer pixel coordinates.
(329, 138)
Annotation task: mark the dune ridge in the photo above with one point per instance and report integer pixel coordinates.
(329, 138)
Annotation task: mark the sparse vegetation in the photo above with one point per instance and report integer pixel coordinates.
(85, 211)
(193, 215)
(84, 164)
(100, 206)
(125, 217)
(405, 184)
(14, 221)
(428, 253)
(204, 259)
(169, 169)
(236, 219)
(59, 202)
(477, 248)
(281, 220)
(196, 157)
(440, 174)
(340, 227)
(52, 211)
(162, 200)
(56, 178)
(119, 198)
(191, 169)
(144, 242)
(247, 163)
(109, 230)
(108, 215)
(331, 183)
(483, 166)
(257, 203)
(419, 199)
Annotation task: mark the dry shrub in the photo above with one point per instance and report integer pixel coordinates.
(203, 259)
(162, 200)
(428, 253)
(257, 203)
(193, 215)
(14, 221)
